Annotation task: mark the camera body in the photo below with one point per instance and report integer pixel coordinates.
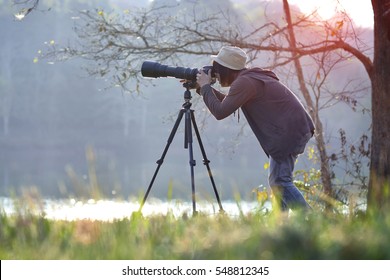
(154, 69)
(208, 68)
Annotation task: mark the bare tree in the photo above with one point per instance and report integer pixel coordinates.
(25, 7)
(314, 112)
(6, 89)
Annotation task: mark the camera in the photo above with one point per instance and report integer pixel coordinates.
(154, 69)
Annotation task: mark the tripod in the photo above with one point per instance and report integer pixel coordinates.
(189, 121)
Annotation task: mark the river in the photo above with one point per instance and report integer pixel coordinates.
(110, 210)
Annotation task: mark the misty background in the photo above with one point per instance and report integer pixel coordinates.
(60, 127)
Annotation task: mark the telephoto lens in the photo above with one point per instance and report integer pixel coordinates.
(154, 69)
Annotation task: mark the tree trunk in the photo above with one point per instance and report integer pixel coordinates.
(379, 190)
(5, 124)
(313, 110)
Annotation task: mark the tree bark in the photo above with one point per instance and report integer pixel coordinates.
(379, 190)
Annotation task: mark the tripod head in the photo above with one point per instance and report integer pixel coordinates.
(187, 94)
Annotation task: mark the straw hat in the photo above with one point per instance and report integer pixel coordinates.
(231, 57)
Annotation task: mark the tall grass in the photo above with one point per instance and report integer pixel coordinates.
(260, 235)
(29, 234)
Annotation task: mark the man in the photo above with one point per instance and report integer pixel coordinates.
(274, 113)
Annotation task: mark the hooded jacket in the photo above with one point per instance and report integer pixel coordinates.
(276, 116)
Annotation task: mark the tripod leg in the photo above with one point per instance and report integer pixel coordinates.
(188, 144)
(206, 161)
(161, 160)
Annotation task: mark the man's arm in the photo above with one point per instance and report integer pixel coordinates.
(218, 94)
(221, 105)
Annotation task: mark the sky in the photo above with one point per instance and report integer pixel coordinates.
(359, 10)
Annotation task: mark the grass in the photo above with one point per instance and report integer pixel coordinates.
(259, 235)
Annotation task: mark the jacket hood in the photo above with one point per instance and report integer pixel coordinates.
(258, 70)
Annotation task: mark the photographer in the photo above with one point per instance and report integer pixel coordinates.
(274, 113)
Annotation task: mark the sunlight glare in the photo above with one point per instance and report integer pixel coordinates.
(110, 210)
(361, 13)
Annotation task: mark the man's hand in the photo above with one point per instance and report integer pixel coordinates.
(203, 79)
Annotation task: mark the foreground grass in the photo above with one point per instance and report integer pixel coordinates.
(257, 236)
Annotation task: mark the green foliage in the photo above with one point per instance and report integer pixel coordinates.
(273, 235)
